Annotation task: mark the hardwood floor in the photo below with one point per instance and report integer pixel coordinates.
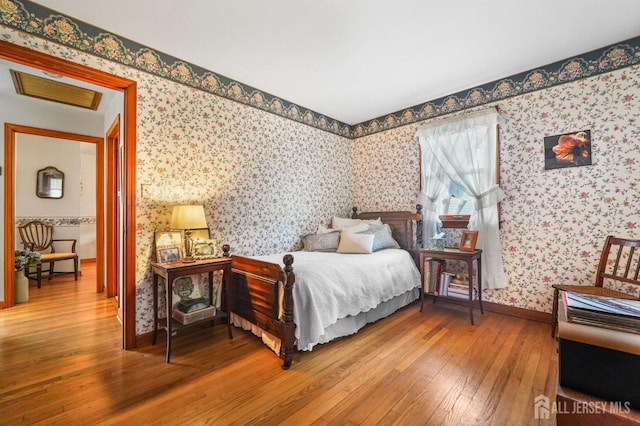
(61, 363)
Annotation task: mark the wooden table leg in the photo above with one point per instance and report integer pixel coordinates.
(479, 263)
(169, 299)
(422, 279)
(226, 280)
(155, 309)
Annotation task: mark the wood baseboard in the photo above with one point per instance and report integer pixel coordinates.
(88, 260)
(504, 309)
(518, 312)
(144, 339)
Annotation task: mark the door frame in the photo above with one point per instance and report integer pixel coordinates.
(42, 61)
(10, 131)
(112, 236)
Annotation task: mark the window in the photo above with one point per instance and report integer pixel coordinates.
(459, 183)
(454, 205)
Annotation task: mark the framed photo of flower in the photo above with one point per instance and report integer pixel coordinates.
(567, 150)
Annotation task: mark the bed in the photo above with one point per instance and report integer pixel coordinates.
(289, 313)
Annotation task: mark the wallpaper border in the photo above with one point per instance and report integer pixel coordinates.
(67, 221)
(42, 22)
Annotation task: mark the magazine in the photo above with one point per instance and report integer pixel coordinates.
(611, 305)
(606, 312)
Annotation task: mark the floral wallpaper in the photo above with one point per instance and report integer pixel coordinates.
(32, 18)
(553, 222)
(265, 179)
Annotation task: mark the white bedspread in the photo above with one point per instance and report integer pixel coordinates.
(331, 286)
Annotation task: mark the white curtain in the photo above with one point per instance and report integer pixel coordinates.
(432, 191)
(464, 149)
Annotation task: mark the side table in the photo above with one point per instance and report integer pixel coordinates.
(171, 271)
(455, 254)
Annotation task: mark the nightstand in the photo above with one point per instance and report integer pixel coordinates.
(454, 254)
(171, 271)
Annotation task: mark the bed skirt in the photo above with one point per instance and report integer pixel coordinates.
(343, 327)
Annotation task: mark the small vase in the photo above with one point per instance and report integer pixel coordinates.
(22, 287)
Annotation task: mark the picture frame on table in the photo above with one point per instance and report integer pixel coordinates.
(169, 238)
(199, 235)
(168, 254)
(205, 249)
(468, 241)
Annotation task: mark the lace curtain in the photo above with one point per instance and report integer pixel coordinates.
(464, 150)
(432, 191)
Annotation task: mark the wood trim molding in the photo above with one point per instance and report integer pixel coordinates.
(9, 217)
(503, 309)
(112, 240)
(32, 58)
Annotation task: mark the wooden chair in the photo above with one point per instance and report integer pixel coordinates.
(619, 262)
(38, 236)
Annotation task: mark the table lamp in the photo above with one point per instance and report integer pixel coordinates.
(188, 218)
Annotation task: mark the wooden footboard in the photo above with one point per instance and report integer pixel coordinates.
(255, 296)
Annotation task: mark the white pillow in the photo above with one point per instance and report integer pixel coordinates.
(361, 227)
(343, 222)
(355, 243)
(377, 221)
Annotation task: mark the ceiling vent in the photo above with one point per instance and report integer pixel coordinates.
(55, 91)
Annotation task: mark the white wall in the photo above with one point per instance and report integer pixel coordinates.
(87, 249)
(26, 111)
(37, 152)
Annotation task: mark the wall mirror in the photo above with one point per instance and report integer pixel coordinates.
(50, 183)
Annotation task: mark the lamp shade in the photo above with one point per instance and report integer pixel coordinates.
(188, 217)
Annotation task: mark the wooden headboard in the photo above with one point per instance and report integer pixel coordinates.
(406, 227)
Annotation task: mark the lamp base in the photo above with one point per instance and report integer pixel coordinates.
(188, 246)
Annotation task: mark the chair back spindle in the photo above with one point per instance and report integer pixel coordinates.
(620, 261)
(37, 236)
(619, 265)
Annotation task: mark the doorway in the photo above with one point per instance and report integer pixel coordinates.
(43, 139)
(28, 57)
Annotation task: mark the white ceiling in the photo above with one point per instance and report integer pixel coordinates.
(8, 89)
(354, 60)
